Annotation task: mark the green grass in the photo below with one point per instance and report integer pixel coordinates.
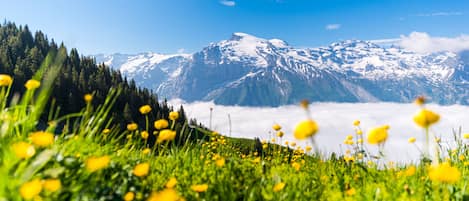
(249, 172)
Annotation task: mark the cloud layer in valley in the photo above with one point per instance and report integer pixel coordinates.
(335, 121)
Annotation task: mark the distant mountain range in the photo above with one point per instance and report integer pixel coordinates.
(251, 71)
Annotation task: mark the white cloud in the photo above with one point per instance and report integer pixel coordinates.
(422, 42)
(333, 26)
(228, 3)
(335, 122)
(439, 14)
(181, 50)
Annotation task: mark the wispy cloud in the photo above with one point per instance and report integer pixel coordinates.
(335, 122)
(422, 42)
(435, 14)
(333, 26)
(228, 3)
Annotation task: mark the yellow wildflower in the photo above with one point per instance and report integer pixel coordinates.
(296, 166)
(31, 189)
(420, 100)
(168, 194)
(52, 185)
(173, 115)
(279, 186)
(349, 137)
(293, 144)
(5, 80)
(106, 131)
(220, 162)
(42, 139)
(199, 188)
(276, 127)
(356, 123)
(144, 135)
(141, 169)
(280, 134)
(132, 126)
(166, 135)
(425, 118)
(411, 140)
(360, 141)
(308, 148)
(378, 135)
(129, 196)
(410, 170)
(23, 150)
(32, 84)
(146, 151)
(161, 124)
(171, 183)
(304, 104)
(350, 192)
(465, 135)
(88, 98)
(305, 129)
(444, 173)
(97, 163)
(145, 109)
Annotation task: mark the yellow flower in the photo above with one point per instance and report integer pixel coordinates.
(349, 137)
(129, 196)
(171, 183)
(280, 134)
(88, 98)
(296, 166)
(444, 173)
(356, 123)
(5, 80)
(411, 140)
(23, 150)
(276, 127)
(32, 84)
(308, 148)
(304, 104)
(145, 109)
(220, 162)
(168, 194)
(410, 170)
(199, 188)
(350, 192)
(173, 115)
(161, 124)
(52, 185)
(420, 100)
(279, 186)
(97, 163)
(378, 135)
(141, 169)
(42, 139)
(426, 118)
(106, 131)
(465, 135)
(305, 129)
(293, 144)
(144, 135)
(31, 189)
(166, 135)
(132, 126)
(360, 141)
(146, 151)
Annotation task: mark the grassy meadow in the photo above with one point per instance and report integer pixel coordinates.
(87, 157)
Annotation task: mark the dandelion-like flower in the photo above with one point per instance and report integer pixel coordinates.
(145, 109)
(171, 183)
(411, 140)
(220, 162)
(144, 135)
(279, 186)
(5, 80)
(166, 135)
(444, 173)
(199, 188)
(42, 139)
(52, 185)
(94, 164)
(23, 150)
(146, 151)
(132, 126)
(32, 84)
(168, 194)
(106, 131)
(305, 129)
(141, 169)
(129, 196)
(280, 134)
(173, 115)
(425, 118)
(276, 127)
(161, 124)
(356, 123)
(378, 135)
(88, 98)
(31, 189)
(420, 100)
(465, 135)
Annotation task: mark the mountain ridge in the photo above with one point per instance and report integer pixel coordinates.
(252, 71)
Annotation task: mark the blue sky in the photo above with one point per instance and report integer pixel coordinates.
(169, 26)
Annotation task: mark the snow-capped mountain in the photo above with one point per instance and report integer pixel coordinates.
(247, 70)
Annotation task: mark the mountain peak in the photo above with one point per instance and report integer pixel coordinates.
(354, 44)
